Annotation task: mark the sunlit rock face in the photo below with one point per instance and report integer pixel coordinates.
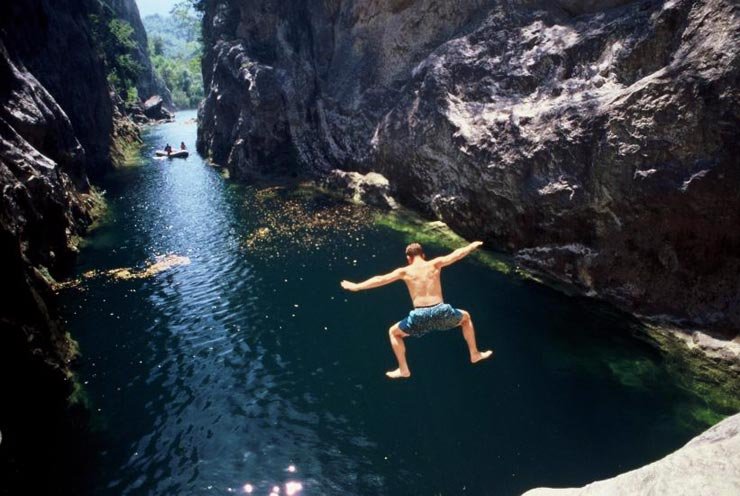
(583, 6)
(596, 140)
(705, 466)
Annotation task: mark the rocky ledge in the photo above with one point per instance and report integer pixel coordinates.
(597, 141)
(709, 465)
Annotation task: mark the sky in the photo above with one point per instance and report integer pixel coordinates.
(149, 7)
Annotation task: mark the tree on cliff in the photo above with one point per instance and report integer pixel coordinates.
(116, 41)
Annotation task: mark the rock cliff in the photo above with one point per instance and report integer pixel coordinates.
(708, 465)
(55, 43)
(43, 206)
(59, 124)
(595, 140)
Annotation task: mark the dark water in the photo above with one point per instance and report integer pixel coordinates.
(250, 365)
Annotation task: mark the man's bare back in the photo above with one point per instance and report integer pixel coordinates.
(423, 281)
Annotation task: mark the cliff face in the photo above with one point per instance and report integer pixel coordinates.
(149, 84)
(58, 124)
(54, 41)
(595, 140)
(43, 205)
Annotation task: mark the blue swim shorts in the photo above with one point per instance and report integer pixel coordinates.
(439, 317)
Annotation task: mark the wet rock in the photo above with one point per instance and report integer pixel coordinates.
(368, 189)
(154, 109)
(706, 466)
(536, 126)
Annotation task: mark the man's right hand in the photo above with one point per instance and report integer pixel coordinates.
(349, 286)
(476, 244)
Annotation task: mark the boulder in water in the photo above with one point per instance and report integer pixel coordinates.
(154, 109)
(369, 189)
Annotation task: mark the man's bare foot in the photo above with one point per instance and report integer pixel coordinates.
(481, 355)
(398, 374)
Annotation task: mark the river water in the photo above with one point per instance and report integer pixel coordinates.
(249, 368)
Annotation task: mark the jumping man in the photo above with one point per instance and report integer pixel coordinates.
(430, 313)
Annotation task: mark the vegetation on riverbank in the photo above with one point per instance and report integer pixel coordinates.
(116, 46)
(175, 48)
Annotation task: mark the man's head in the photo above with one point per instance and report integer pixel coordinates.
(414, 250)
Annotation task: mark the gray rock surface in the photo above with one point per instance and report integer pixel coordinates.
(368, 189)
(154, 109)
(709, 465)
(595, 140)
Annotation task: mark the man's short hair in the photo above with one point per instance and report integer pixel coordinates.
(414, 250)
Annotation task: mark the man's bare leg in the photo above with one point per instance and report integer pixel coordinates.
(469, 335)
(397, 335)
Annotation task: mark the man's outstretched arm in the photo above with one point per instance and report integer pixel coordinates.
(456, 255)
(374, 282)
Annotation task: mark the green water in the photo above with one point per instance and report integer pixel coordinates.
(250, 365)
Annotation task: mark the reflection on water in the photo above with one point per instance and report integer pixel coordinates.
(249, 370)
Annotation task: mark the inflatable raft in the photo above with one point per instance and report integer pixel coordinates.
(177, 154)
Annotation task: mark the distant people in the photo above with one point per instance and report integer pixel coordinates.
(168, 149)
(182, 146)
(430, 312)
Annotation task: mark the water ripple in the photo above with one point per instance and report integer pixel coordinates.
(250, 369)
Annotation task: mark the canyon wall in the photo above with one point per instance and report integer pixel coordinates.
(597, 141)
(59, 125)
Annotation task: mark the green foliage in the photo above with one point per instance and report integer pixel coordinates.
(122, 35)
(133, 95)
(116, 45)
(175, 50)
(157, 46)
(186, 20)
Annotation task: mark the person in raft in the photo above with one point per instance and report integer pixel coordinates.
(430, 313)
(182, 146)
(168, 149)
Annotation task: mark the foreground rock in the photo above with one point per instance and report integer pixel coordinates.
(595, 140)
(709, 465)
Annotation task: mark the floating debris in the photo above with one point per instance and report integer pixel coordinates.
(160, 264)
(297, 220)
